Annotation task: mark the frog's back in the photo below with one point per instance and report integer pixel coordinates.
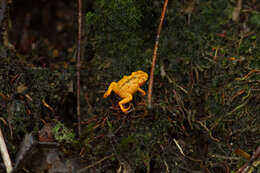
(130, 85)
(123, 80)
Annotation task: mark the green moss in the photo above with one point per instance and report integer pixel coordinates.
(63, 134)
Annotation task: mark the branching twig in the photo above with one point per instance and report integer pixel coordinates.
(150, 88)
(5, 155)
(78, 63)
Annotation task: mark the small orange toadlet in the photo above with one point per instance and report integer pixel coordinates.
(127, 86)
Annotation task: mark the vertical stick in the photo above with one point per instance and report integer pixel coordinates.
(150, 88)
(5, 154)
(78, 64)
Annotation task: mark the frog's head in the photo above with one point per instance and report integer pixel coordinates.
(141, 76)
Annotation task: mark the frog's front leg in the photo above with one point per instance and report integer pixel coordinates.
(124, 101)
(111, 87)
(141, 91)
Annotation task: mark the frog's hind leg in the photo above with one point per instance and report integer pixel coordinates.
(124, 101)
(111, 87)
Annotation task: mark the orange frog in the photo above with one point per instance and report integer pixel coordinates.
(127, 86)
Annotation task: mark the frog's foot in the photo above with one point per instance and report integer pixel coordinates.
(141, 91)
(111, 87)
(124, 101)
(125, 110)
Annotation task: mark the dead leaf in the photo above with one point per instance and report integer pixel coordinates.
(47, 105)
(242, 153)
(3, 120)
(21, 88)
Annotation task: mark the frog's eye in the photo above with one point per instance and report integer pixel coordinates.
(143, 78)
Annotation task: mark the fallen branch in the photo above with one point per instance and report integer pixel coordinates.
(5, 155)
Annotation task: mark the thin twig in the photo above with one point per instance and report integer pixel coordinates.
(78, 63)
(179, 147)
(150, 88)
(94, 164)
(5, 155)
